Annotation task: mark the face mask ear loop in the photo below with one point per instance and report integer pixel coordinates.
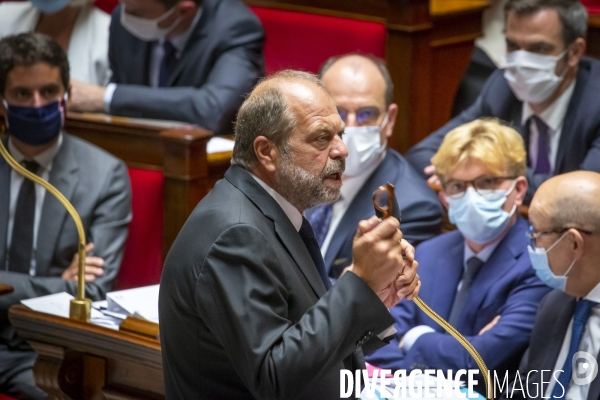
(555, 243)
(569, 269)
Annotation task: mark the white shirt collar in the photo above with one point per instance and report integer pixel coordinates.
(594, 294)
(486, 252)
(292, 212)
(554, 115)
(351, 185)
(181, 40)
(45, 158)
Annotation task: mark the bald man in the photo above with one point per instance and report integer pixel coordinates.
(362, 90)
(564, 250)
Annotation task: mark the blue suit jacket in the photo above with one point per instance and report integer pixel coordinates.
(420, 209)
(506, 285)
(579, 146)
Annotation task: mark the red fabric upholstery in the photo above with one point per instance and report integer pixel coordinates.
(593, 6)
(142, 262)
(5, 397)
(106, 5)
(305, 41)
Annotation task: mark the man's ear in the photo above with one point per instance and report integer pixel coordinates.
(266, 153)
(578, 243)
(392, 115)
(576, 51)
(520, 189)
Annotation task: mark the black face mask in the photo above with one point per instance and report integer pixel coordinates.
(35, 126)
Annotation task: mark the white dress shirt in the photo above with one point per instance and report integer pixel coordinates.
(44, 159)
(411, 336)
(157, 54)
(553, 117)
(350, 188)
(590, 343)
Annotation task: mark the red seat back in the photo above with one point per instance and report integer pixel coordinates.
(106, 5)
(142, 261)
(304, 41)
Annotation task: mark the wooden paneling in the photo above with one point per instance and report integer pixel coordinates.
(593, 39)
(428, 48)
(5, 289)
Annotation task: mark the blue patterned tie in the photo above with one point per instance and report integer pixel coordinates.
(542, 165)
(167, 64)
(320, 220)
(308, 237)
(582, 312)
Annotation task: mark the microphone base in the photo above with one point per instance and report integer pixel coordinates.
(81, 310)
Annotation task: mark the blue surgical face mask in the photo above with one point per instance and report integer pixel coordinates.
(35, 126)
(49, 6)
(480, 219)
(539, 262)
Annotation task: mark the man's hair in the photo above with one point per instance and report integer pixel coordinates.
(573, 15)
(571, 210)
(266, 112)
(498, 146)
(28, 49)
(171, 3)
(379, 63)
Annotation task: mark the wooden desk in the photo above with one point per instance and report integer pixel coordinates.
(77, 360)
(5, 289)
(429, 45)
(177, 150)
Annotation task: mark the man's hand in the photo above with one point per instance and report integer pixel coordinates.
(489, 326)
(378, 252)
(85, 97)
(433, 180)
(94, 266)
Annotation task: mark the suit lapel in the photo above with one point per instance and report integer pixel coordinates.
(284, 228)
(4, 207)
(64, 176)
(448, 272)
(502, 259)
(200, 31)
(594, 392)
(360, 208)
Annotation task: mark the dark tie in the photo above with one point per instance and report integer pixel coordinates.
(473, 266)
(320, 220)
(308, 237)
(167, 64)
(542, 165)
(582, 313)
(21, 243)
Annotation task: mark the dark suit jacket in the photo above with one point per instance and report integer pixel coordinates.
(579, 146)
(221, 62)
(243, 312)
(506, 285)
(97, 184)
(421, 212)
(551, 324)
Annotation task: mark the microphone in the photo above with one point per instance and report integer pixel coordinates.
(80, 307)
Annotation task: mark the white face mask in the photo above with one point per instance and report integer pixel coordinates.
(147, 29)
(531, 76)
(364, 147)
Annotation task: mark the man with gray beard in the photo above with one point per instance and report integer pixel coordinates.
(245, 305)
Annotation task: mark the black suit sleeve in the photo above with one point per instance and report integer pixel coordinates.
(243, 296)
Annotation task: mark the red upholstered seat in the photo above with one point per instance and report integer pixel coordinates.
(106, 5)
(5, 397)
(304, 41)
(142, 261)
(593, 6)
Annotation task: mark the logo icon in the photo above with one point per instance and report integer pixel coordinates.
(585, 368)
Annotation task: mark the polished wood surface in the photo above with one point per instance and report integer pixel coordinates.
(176, 149)
(78, 360)
(5, 289)
(429, 46)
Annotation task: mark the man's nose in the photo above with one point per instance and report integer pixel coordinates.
(339, 149)
(37, 100)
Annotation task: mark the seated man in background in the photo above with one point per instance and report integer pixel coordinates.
(565, 249)
(38, 238)
(479, 277)
(80, 28)
(362, 90)
(182, 60)
(548, 91)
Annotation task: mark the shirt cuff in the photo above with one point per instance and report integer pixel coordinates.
(415, 333)
(108, 95)
(388, 332)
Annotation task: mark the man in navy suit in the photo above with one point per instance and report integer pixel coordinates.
(565, 247)
(362, 90)
(184, 60)
(548, 92)
(479, 277)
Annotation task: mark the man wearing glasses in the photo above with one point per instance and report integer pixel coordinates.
(362, 90)
(479, 277)
(564, 251)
